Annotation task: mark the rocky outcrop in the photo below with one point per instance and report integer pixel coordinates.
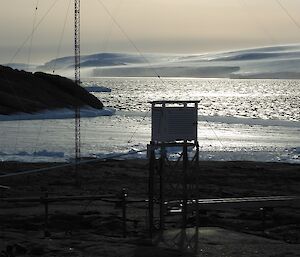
(27, 92)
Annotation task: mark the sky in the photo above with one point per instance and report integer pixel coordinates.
(147, 26)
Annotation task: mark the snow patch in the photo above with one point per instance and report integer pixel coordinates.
(59, 114)
(37, 156)
(250, 121)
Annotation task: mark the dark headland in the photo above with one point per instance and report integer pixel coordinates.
(27, 92)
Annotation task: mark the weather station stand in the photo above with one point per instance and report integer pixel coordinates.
(173, 176)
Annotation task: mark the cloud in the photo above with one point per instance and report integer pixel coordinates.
(154, 26)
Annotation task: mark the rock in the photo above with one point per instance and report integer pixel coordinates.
(28, 92)
(20, 249)
(37, 250)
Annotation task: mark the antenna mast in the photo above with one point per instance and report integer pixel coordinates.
(77, 75)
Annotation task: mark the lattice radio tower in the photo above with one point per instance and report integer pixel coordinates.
(77, 75)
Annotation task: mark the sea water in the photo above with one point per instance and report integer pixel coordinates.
(256, 120)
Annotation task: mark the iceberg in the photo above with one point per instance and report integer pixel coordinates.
(97, 89)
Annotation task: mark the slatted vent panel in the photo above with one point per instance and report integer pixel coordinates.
(174, 123)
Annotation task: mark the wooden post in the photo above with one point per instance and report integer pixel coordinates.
(77, 174)
(2, 188)
(46, 207)
(197, 170)
(263, 217)
(151, 189)
(124, 214)
(161, 188)
(185, 187)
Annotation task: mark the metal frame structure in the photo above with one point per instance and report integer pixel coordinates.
(176, 178)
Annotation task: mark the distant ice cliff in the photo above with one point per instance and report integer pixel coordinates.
(281, 61)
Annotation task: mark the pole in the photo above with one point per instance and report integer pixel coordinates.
(197, 170)
(124, 214)
(77, 82)
(161, 188)
(185, 188)
(151, 189)
(77, 74)
(46, 207)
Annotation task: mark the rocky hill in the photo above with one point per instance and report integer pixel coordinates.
(27, 92)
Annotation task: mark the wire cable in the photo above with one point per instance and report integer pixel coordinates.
(130, 40)
(28, 61)
(138, 51)
(108, 33)
(17, 173)
(137, 126)
(288, 14)
(214, 133)
(30, 35)
(61, 37)
(257, 21)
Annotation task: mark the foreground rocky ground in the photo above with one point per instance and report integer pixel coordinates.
(95, 228)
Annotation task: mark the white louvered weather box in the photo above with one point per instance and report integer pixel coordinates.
(174, 121)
